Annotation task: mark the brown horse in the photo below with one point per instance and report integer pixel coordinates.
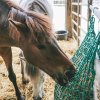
(32, 32)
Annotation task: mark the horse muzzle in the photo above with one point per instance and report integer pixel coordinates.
(63, 80)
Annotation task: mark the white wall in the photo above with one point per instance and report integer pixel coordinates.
(59, 17)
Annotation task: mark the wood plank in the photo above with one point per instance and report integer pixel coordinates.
(75, 32)
(74, 3)
(75, 22)
(76, 17)
(68, 18)
(74, 13)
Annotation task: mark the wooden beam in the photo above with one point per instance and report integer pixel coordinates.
(68, 18)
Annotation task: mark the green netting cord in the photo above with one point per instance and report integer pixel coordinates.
(81, 85)
(98, 51)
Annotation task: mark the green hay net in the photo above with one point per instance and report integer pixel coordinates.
(81, 85)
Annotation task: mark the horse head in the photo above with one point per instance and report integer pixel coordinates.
(32, 32)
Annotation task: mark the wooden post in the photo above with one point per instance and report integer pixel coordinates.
(89, 11)
(68, 18)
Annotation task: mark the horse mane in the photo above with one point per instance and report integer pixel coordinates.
(38, 23)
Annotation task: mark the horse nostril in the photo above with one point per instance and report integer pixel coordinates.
(69, 74)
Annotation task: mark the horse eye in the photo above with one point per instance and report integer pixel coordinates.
(41, 46)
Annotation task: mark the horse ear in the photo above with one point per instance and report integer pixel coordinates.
(18, 25)
(15, 29)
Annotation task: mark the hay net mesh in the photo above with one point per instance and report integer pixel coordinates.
(81, 85)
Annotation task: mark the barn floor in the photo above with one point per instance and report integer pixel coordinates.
(6, 87)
